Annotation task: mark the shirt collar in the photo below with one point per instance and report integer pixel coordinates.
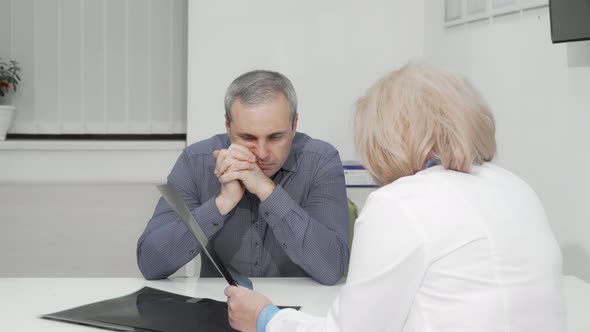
(430, 162)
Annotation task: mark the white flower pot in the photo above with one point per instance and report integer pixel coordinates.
(6, 116)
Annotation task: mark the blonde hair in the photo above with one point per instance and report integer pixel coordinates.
(419, 113)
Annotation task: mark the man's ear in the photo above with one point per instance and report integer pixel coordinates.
(227, 123)
(294, 127)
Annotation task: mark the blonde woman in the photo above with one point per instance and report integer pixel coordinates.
(450, 242)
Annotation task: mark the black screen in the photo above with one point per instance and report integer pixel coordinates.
(570, 20)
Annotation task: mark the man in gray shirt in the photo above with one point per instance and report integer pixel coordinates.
(271, 201)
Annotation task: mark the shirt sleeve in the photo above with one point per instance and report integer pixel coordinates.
(167, 244)
(265, 315)
(314, 236)
(386, 270)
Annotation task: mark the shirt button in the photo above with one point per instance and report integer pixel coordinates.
(266, 214)
(284, 246)
(192, 252)
(256, 224)
(256, 244)
(256, 264)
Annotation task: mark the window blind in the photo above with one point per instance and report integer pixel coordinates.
(97, 66)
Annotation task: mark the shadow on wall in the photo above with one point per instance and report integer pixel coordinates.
(576, 261)
(578, 54)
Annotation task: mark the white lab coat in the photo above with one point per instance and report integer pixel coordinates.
(444, 251)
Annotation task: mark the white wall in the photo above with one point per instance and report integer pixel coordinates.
(542, 108)
(331, 50)
(72, 230)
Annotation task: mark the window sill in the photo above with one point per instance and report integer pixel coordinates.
(56, 145)
(47, 161)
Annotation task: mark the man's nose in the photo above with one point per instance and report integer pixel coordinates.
(261, 151)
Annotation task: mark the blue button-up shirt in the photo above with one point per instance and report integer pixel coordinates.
(301, 229)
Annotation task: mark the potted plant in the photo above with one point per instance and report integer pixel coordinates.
(9, 80)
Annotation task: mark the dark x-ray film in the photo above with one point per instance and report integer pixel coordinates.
(179, 206)
(151, 309)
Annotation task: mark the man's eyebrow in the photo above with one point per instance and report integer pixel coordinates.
(246, 135)
(278, 133)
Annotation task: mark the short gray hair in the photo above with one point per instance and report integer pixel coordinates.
(258, 87)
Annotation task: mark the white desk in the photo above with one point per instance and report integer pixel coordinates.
(22, 300)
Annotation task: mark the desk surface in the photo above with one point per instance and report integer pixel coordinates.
(22, 300)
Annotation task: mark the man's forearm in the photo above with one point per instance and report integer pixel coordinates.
(165, 249)
(166, 244)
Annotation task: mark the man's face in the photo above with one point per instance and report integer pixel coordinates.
(264, 129)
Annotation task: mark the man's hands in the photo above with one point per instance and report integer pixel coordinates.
(237, 171)
(244, 306)
(231, 191)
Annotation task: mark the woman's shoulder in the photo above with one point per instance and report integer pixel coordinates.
(437, 183)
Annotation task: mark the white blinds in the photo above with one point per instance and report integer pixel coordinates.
(97, 66)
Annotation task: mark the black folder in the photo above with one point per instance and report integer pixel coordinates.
(151, 309)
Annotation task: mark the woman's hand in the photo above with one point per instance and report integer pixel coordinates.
(244, 306)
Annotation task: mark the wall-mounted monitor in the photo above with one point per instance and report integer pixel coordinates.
(570, 20)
